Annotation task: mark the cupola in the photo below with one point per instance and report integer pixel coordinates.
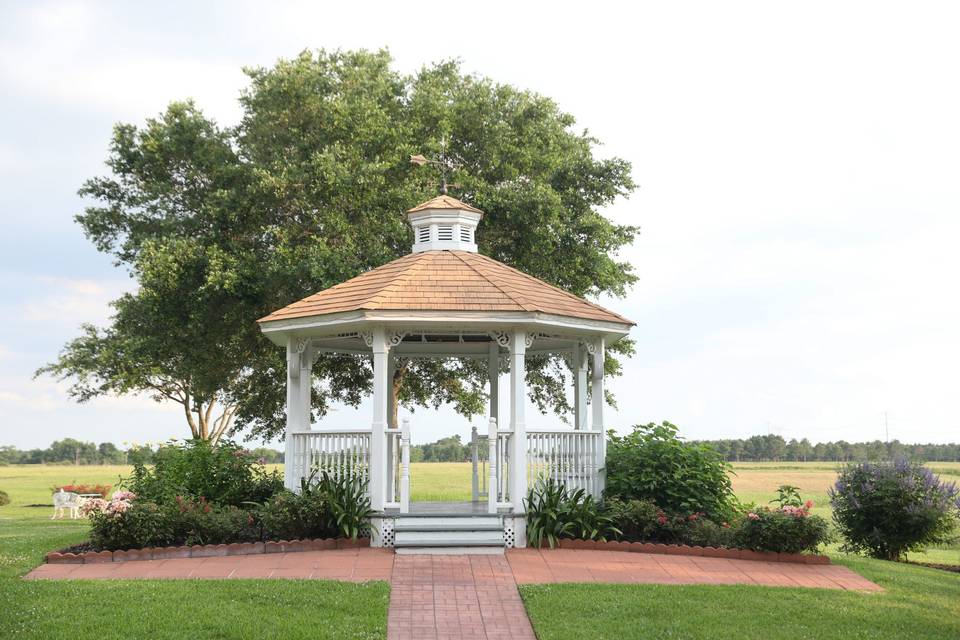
(444, 223)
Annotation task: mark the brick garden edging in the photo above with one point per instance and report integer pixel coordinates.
(686, 550)
(206, 551)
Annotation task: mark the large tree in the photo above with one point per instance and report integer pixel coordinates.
(219, 226)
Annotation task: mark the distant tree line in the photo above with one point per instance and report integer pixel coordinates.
(764, 448)
(451, 449)
(69, 451)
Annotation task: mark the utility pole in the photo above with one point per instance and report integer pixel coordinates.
(886, 426)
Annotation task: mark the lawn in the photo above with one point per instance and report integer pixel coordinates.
(156, 609)
(918, 603)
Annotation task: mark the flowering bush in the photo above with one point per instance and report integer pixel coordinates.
(102, 489)
(224, 474)
(887, 509)
(787, 529)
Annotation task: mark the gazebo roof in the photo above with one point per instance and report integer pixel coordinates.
(444, 202)
(450, 280)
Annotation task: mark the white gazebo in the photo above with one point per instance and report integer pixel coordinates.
(446, 300)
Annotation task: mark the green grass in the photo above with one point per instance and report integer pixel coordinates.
(918, 603)
(156, 609)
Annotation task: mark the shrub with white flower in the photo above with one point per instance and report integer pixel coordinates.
(119, 503)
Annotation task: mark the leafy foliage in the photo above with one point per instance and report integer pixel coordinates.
(220, 226)
(887, 509)
(226, 474)
(653, 463)
(4, 498)
(787, 530)
(554, 513)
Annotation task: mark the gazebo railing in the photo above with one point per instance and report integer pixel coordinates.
(338, 452)
(566, 456)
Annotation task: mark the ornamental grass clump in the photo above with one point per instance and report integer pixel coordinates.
(887, 509)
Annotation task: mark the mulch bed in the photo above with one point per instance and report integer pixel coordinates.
(686, 550)
(83, 553)
(955, 568)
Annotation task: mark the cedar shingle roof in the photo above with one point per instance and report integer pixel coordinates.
(444, 202)
(445, 281)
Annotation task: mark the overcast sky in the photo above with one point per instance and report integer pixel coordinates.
(799, 167)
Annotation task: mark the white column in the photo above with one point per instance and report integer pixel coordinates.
(597, 400)
(518, 440)
(378, 458)
(305, 387)
(493, 373)
(290, 479)
(597, 403)
(391, 454)
(579, 387)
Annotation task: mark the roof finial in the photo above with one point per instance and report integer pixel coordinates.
(442, 162)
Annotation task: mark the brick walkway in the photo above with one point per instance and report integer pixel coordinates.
(435, 597)
(531, 566)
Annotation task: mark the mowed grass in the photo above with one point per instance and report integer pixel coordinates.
(918, 603)
(102, 610)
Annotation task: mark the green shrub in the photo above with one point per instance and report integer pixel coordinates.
(224, 474)
(788, 529)
(554, 513)
(329, 507)
(142, 524)
(636, 519)
(652, 463)
(199, 522)
(4, 498)
(887, 509)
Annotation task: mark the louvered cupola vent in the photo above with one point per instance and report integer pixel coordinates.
(444, 223)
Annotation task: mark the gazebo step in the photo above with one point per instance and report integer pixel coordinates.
(466, 526)
(448, 520)
(448, 538)
(451, 551)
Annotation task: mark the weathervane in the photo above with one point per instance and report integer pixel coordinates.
(443, 163)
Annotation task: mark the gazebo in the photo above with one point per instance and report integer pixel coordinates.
(446, 300)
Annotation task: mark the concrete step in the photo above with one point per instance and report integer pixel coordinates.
(451, 551)
(460, 526)
(447, 538)
(447, 520)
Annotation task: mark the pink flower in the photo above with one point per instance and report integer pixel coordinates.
(94, 505)
(753, 516)
(123, 495)
(662, 520)
(808, 504)
(725, 525)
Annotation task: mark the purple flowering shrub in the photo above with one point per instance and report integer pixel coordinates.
(226, 474)
(887, 509)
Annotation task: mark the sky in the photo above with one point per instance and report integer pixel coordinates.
(799, 200)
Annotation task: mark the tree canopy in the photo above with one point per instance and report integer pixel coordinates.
(221, 225)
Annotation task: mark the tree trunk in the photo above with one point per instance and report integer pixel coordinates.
(398, 375)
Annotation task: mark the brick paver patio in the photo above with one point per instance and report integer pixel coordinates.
(435, 597)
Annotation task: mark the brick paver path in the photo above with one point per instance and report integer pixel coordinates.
(435, 597)
(532, 566)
